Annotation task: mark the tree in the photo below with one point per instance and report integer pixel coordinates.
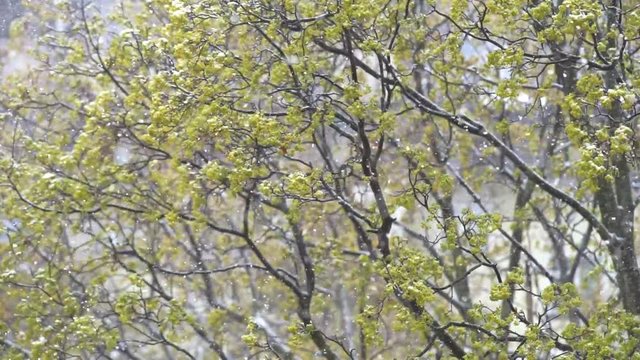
(336, 178)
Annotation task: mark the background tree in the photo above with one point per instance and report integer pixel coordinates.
(345, 179)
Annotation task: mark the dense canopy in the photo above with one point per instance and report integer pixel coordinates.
(339, 179)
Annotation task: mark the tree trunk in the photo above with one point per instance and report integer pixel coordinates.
(616, 206)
